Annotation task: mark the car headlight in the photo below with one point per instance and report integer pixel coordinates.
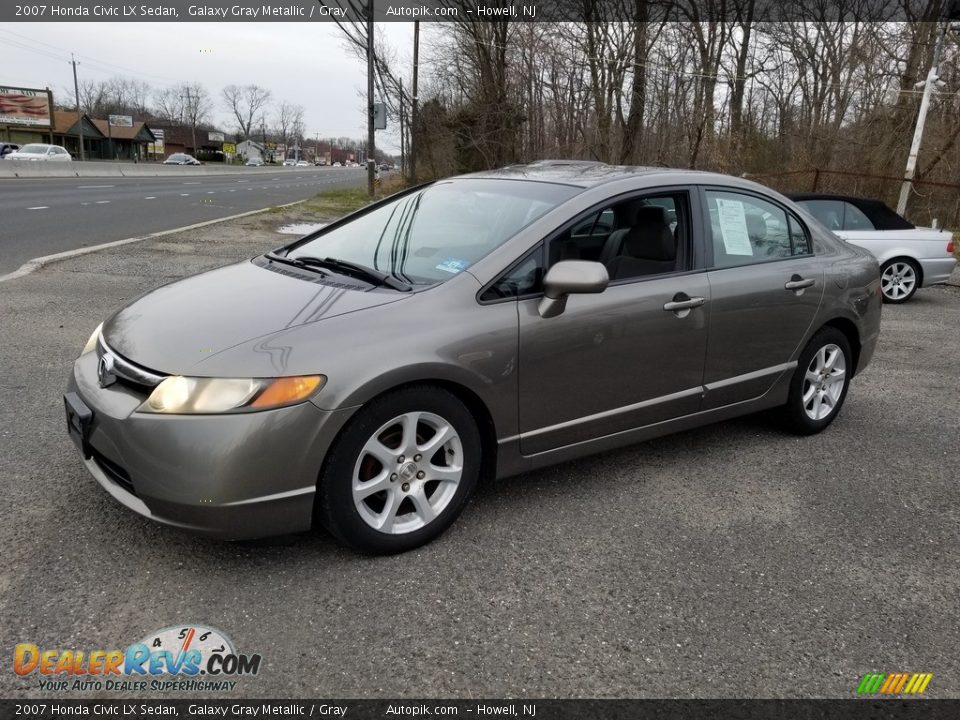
(178, 395)
(92, 342)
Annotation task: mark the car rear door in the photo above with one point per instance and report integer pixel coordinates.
(765, 287)
(622, 359)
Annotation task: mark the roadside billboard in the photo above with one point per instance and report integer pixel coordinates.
(25, 106)
(156, 148)
(121, 121)
(214, 136)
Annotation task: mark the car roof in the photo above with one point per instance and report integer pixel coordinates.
(588, 174)
(879, 213)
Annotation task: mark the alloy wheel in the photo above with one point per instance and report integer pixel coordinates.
(407, 473)
(824, 382)
(898, 281)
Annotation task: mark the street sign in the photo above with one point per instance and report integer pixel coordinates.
(120, 120)
(379, 116)
(230, 148)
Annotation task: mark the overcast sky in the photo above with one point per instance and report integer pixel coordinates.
(303, 63)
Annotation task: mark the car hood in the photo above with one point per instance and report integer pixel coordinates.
(175, 327)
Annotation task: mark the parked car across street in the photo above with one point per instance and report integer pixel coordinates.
(40, 152)
(479, 326)
(181, 159)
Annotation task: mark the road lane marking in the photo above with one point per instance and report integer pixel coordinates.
(102, 202)
(190, 183)
(211, 192)
(184, 194)
(240, 181)
(150, 197)
(40, 207)
(87, 187)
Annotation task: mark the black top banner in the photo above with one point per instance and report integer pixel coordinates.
(472, 11)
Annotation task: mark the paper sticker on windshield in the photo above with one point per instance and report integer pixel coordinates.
(733, 227)
(452, 265)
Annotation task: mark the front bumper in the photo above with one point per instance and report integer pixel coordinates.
(232, 476)
(937, 271)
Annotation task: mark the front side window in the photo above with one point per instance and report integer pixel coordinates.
(633, 238)
(524, 278)
(745, 229)
(828, 212)
(433, 233)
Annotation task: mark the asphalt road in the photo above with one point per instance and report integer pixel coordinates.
(43, 216)
(730, 561)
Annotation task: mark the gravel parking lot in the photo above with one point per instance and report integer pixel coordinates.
(730, 561)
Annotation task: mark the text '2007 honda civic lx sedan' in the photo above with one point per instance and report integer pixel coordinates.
(366, 376)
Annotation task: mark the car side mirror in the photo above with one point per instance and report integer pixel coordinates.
(569, 277)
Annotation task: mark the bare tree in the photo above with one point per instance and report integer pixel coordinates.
(288, 118)
(247, 104)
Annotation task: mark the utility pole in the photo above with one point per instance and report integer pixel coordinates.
(402, 156)
(193, 120)
(412, 150)
(76, 92)
(928, 87)
(370, 130)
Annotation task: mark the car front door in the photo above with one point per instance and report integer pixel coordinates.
(765, 287)
(626, 357)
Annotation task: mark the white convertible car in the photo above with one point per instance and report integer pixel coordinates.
(910, 257)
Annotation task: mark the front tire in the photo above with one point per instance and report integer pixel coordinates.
(899, 280)
(401, 471)
(820, 382)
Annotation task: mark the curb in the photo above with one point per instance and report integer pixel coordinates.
(37, 263)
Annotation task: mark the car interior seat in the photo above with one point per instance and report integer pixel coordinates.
(647, 247)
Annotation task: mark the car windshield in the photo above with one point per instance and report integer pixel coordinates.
(34, 148)
(433, 233)
(177, 157)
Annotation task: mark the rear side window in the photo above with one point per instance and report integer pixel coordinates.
(854, 218)
(746, 229)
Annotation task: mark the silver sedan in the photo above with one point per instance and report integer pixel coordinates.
(368, 376)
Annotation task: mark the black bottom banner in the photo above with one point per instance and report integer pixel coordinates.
(484, 709)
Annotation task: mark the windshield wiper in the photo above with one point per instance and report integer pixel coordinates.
(296, 262)
(345, 267)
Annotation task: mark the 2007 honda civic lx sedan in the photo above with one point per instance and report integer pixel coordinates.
(367, 376)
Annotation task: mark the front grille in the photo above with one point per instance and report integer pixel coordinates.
(113, 471)
(129, 374)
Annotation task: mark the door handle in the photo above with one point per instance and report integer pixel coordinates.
(687, 304)
(798, 283)
(682, 304)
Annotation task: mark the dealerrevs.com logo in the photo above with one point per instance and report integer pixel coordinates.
(187, 658)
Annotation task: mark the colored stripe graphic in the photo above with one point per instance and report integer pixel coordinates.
(894, 683)
(870, 683)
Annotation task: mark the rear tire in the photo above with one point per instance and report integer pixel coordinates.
(819, 384)
(899, 280)
(401, 471)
